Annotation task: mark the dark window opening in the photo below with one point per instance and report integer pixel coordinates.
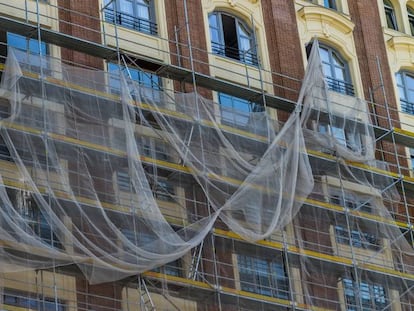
(162, 189)
(263, 276)
(36, 222)
(331, 4)
(351, 203)
(410, 12)
(390, 15)
(230, 37)
(368, 296)
(357, 238)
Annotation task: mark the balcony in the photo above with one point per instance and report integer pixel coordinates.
(246, 57)
(340, 86)
(131, 21)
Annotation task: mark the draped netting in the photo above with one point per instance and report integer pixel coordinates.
(360, 224)
(96, 169)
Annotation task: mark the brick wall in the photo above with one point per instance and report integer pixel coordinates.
(370, 45)
(176, 23)
(283, 42)
(80, 18)
(99, 297)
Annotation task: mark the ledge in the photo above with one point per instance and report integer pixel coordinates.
(327, 17)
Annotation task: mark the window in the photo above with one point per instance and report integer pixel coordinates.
(405, 85)
(32, 158)
(336, 71)
(331, 4)
(236, 111)
(35, 219)
(350, 200)
(162, 189)
(31, 46)
(123, 181)
(154, 148)
(135, 14)
(232, 38)
(31, 301)
(146, 239)
(344, 136)
(390, 15)
(264, 277)
(410, 12)
(356, 238)
(365, 295)
(150, 83)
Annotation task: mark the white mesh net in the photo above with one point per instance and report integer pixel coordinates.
(93, 170)
(101, 172)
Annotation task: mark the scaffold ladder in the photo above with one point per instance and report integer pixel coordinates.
(146, 302)
(195, 261)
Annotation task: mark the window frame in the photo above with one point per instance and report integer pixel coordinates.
(330, 4)
(173, 268)
(150, 82)
(344, 137)
(404, 90)
(334, 83)
(132, 20)
(357, 238)
(233, 103)
(354, 292)
(410, 14)
(162, 189)
(390, 16)
(31, 50)
(243, 32)
(262, 276)
(337, 196)
(35, 219)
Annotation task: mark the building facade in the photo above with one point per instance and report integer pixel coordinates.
(76, 190)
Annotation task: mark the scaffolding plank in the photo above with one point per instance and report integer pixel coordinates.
(57, 38)
(166, 70)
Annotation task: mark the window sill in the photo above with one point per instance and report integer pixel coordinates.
(135, 41)
(235, 71)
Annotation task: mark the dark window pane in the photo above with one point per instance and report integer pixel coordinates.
(232, 38)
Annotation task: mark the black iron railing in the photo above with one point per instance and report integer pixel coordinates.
(407, 107)
(131, 21)
(340, 86)
(246, 57)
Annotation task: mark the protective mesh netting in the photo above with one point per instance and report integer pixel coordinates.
(77, 152)
(96, 170)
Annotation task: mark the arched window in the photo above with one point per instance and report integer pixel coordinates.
(405, 84)
(336, 71)
(390, 15)
(231, 37)
(410, 12)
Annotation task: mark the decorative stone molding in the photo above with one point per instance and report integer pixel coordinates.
(233, 3)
